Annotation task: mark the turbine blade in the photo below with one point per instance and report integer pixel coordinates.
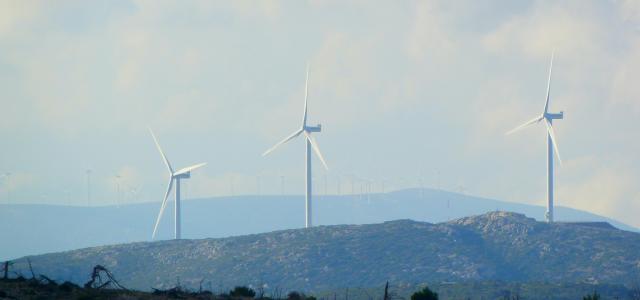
(189, 169)
(546, 104)
(295, 134)
(314, 144)
(532, 121)
(553, 139)
(164, 204)
(306, 94)
(166, 161)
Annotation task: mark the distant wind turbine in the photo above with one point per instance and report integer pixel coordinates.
(310, 143)
(176, 176)
(551, 143)
(8, 185)
(117, 179)
(326, 186)
(258, 185)
(281, 185)
(134, 193)
(88, 171)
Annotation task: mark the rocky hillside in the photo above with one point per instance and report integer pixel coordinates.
(35, 228)
(498, 246)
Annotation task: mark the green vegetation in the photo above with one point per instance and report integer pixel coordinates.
(43, 288)
(425, 294)
(594, 296)
(242, 292)
(299, 296)
(477, 290)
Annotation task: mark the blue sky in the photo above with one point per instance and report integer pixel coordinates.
(409, 93)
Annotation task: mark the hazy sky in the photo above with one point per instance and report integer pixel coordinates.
(406, 91)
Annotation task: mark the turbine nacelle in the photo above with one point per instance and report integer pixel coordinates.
(182, 176)
(552, 116)
(316, 128)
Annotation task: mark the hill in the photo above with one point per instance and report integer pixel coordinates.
(38, 229)
(497, 246)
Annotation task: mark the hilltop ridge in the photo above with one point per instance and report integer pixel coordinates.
(493, 246)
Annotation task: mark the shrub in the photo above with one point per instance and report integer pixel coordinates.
(67, 287)
(425, 294)
(295, 296)
(242, 291)
(299, 296)
(594, 296)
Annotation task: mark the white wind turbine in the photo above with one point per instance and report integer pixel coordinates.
(310, 143)
(551, 143)
(176, 176)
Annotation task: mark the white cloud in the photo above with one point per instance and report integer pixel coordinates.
(346, 79)
(16, 14)
(629, 9)
(431, 36)
(547, 27)
(600, 185)
(625, 91)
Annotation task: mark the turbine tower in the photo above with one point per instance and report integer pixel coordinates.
(176, 176)
(551, 143)
(310, 143)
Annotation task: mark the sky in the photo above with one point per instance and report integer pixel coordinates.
(409, 94)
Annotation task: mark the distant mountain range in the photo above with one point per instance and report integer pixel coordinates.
(496, 246)
(38, 229)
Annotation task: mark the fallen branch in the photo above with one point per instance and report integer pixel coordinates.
(97, 282)
(47, 280)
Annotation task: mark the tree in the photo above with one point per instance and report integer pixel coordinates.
(242, 291)
(634, 294)
(386, 291)
(7, 264)
(296, 296)
(594, 296)
(299, 296)
(425, 294)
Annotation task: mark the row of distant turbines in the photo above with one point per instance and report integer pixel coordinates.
(126, 191)
(311, 145)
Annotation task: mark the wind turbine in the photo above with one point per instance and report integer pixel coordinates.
(552, 145)
(281, 185)
(117, 178)
(8, 184)
(176, 176)
(310, 143)
(88, 171)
